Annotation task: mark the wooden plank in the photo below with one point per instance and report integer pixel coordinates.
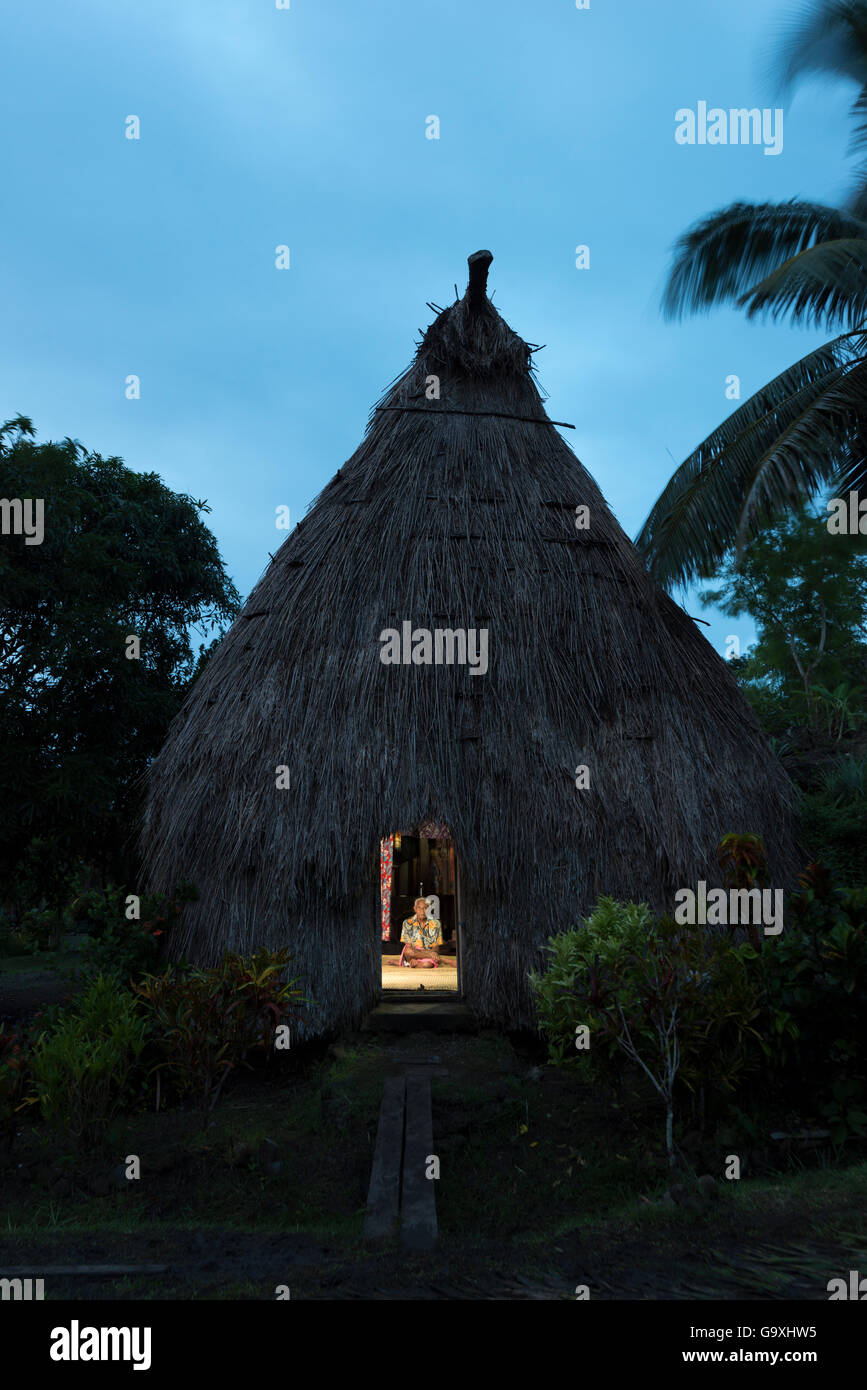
(418, 1212)
(383, 1196)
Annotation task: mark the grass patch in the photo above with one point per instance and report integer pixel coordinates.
(61, 962)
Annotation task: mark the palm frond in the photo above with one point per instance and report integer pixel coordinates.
(816, 442)
(858, 141)
(721, 258)
(782, 445)
(828, 39)
(852, 472)
(826, 284)
(856, 203)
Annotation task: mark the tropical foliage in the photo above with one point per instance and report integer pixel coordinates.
(806, 430)
(834, 819)
(632, 974)
(122, 947)
(816, 976)
(122, 557)
(209, 1022)
(81, 1067)
(807, 594)
(715, 1018)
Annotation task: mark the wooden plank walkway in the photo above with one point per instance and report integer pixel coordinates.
(400, 1190)
(418, 1206)
(383, 1196)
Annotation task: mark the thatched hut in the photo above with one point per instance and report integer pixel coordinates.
(463, 512)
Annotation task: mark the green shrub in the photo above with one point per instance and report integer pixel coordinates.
(816, 972)
(208, 1022)
(622, 969)
(604, 941)
(37, 930)
(834, 820)
(14, 1082)
(796, 1008)
(118, 946)
(14, 941)
(681, 1003)
(82, 1067)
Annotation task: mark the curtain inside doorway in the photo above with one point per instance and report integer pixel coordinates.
(386, 873)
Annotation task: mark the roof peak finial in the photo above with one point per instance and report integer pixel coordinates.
(478, 263)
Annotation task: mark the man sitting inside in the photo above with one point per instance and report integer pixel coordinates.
(422, 937)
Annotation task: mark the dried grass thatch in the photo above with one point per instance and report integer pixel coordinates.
(457, 512)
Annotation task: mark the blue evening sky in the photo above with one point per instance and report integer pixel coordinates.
(306, 127)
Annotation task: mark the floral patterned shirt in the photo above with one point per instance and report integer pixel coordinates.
(422, 934)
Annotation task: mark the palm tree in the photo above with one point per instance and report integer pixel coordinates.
(806, 430)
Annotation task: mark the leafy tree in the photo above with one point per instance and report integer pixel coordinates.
(807, 429)
(122, 556)
(807, 594)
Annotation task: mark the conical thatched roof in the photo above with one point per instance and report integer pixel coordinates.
(455, 512)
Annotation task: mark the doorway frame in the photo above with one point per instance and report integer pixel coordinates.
(459, 924)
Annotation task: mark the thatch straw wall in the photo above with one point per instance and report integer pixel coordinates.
(461, 521)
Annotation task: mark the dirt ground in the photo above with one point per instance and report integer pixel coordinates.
(686, 1261)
